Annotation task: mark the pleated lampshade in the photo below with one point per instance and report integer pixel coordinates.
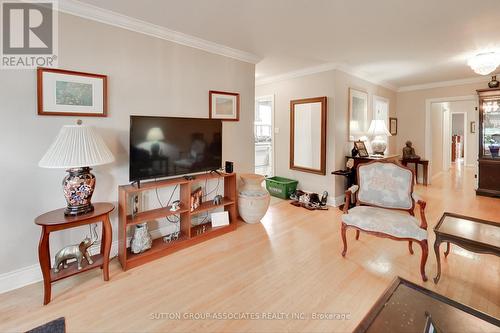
(76, 146)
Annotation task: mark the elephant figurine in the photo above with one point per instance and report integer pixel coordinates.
(77, 251)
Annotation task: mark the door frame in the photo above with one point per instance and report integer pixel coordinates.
(273, 114)
(465, 142)
(428, 103)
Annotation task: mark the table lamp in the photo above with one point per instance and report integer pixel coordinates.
(378, 130)
(76, 149)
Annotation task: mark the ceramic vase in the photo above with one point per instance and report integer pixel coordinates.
(141, 240)
(78, 187)
(253, 199)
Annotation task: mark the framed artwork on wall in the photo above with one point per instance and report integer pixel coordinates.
(358, 113)
(473, 127)
(393, 125)
(224, 105)
(69, 93)
(360, 146)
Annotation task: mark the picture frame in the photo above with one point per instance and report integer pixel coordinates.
(70, 93)
(473, 127)
(393, 125)
(224, 105)
(360, 146)
(358, 113)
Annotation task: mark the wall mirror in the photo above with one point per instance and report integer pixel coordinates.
(308, 135)
(358, 114)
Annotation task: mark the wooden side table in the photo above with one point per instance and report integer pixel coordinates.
(425, 167)
(479, 236)
(56, 220)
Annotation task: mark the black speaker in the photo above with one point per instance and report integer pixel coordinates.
(229, 167)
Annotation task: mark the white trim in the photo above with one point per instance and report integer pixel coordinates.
(273, 130)
(364, 76)
(19, 278)
(320, 69)
(295, 74)
(32, 274)
(98, 14)
(440, 84)
(428, 104)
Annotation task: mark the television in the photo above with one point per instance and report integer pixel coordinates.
(171, 146)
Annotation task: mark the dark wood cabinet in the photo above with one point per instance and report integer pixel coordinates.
(489, 142)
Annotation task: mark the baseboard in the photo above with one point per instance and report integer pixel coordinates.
(19, 278)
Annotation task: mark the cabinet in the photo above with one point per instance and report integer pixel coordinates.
(489, 143)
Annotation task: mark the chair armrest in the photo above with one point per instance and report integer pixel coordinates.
(348, 194)
(422, 204)
(353, 189)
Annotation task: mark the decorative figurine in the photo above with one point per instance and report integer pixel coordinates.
(176, 205)
(349, 164)
(494, 82)
(409, 152)
(170, 237)
(217, 200)
(77, 251)
(141, 241)
(196, 198)
(354, 151)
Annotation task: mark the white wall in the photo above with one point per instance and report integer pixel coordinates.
(147, 76)
(335, 85)
(457, 124)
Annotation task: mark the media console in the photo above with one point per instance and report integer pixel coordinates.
(188, 235)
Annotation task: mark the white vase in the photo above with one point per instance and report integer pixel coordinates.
(253, 199)
(141, 240)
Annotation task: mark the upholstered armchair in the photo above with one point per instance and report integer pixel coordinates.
(385, 205)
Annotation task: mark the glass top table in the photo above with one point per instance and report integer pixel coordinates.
(470, 233)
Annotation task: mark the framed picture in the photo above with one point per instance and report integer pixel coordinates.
(70, 93)
(393, 126)
(360, 146)
(224, 105)
(358, 113)
(473, 127)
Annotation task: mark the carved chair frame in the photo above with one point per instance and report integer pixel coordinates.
(423, 223)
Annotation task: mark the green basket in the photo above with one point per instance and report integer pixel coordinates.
(281, 187)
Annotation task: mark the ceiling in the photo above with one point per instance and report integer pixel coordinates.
(398, 42)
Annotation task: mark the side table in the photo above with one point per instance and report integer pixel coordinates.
(55, 221)
(479, 236)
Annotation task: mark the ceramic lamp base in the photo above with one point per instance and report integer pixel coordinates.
(378, 146)
(78, 187)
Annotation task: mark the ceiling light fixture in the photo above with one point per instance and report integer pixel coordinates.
(484, 63)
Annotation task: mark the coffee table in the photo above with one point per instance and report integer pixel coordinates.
(479, 236)
(406, 307)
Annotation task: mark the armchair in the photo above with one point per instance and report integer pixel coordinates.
(385, 205)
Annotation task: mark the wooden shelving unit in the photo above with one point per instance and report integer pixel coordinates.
(188, 233)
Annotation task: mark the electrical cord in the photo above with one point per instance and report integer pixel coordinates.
(177, 219)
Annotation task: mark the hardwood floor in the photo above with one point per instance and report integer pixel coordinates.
(290, 264)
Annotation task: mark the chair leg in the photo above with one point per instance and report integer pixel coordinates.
(344, 240)
(357, 234)
(410, 248)
(423, 261)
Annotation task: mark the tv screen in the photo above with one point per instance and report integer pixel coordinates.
(171, 146)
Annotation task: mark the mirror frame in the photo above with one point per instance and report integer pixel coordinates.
(293, 103)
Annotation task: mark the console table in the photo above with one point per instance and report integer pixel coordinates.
(472, 234)
(55, 221)
(417, 162)
(405, 306)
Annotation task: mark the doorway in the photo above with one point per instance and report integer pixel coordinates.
(264, 135)
(451, 141)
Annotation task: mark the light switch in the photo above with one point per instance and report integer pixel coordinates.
(276, 130)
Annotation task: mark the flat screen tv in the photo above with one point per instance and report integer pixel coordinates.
(171, 146)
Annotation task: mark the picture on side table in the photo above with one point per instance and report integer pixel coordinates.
(224, 105)
(70, 93)
(360, 146)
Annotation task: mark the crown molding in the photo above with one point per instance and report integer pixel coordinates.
(319, 69)
(366, 77)
(105, 16)
(440, 84)
(297, 73)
